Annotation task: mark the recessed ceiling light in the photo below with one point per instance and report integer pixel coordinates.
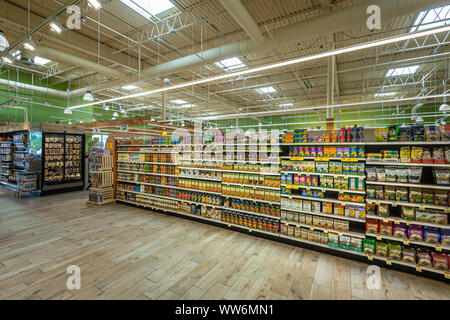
(105, 106)
(266, 90)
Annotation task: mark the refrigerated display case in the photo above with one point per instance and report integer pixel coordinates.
(62, 161)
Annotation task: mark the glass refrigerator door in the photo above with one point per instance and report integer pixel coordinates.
(54, 158)
(73, 157)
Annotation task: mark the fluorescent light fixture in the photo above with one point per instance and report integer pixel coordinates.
(95, 4)
(286, 104)
(16, 54)
(113, 118)
(402, 71)
(419, 119)
(266, 90)
(41, 61)
(122, 110)
(70, 122)
(8, 58)
(56, 26)
(330, 53)
(105, 106)
(178, 101)
(149, 8)
(67, 111)
(88, 96)
(115, 114)
(129, 87)
(432, 18)
(29, 44)
(230, 63)
(385, 94)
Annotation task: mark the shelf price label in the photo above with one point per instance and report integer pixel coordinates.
(386, 220)
(447, 274)
(418, 268)
(405, 241)
(321, 159)
(370, 257)
(396, 221)
(297, 158)
(447, 210)
(350, 159)
(408, 222)
(388, 262)
(229, 225)
(311, 228)
(422, 207)
(379, 237)
(249, 229)
(438, 247)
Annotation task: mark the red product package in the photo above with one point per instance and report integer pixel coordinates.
(386, 228)
(372, 225)
(440, 260)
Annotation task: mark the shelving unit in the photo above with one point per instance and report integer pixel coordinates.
(353, 213)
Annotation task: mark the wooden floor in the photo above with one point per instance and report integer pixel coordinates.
(130, 253)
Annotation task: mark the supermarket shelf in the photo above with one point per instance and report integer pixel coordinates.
(438, 247)
(201, 203)
(408, 222)
(143, 162)
(250, 185)
(324, 158)
(199, 178)
(150, 184)
(291, 186)
(204, 191)
(406, 143)
(412, 185)
(251, 212)
(150, 195)
(326, 174)
(333, 216)
(324, 200)
(253, 172)
(408, 164)
(324, 144)
(323, 245)
(312, 228)
(411, 265)
(149, 173)
(146, 152)
(250, 199)
(201, 169)
(9, 185)
(408, 204)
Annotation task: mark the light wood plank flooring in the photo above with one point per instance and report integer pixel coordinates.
(130, 253)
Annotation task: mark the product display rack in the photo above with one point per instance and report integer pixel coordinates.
(357, 224)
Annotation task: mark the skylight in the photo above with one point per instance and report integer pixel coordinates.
(184, 106)
(148, 8)
(403, 71)
(178, 101)
(286, 104)
(41, 61)
(266, 90)
(129, 87)
(432, 18)
(230, 63)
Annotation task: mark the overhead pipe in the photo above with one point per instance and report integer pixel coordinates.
(240, 13)
(339, 20)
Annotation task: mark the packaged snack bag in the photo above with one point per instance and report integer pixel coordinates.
(381, 249)
(408, 254)
(440, 260)
(369, 246)
(394, 251)
(415, 233)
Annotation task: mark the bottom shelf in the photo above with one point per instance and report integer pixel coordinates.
(389, 262)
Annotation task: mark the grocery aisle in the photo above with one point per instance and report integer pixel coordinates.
(130, 253)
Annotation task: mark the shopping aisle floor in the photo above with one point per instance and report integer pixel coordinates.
(130, 253)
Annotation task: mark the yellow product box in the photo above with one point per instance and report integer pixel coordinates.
(246, 192)
(251, 193)
(245, 178)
